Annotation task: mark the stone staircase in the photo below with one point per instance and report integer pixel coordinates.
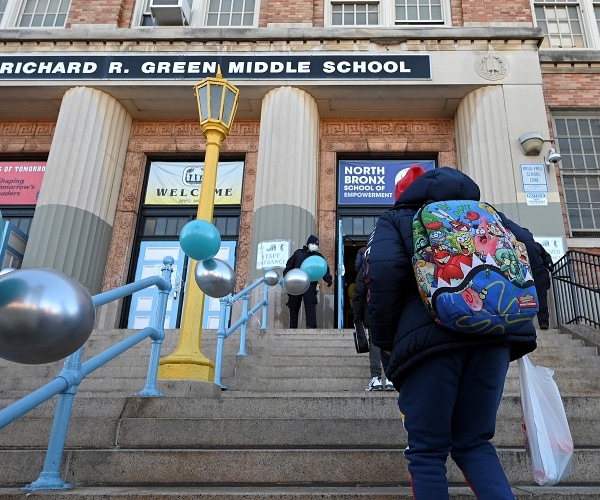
(294, 422)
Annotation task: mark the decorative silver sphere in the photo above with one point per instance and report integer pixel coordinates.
(215, 277)
(296, 282)
(271, 277)
(45, 316)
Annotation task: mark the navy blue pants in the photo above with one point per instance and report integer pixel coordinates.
(450, 402)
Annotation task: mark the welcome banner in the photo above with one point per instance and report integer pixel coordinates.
(179, 183)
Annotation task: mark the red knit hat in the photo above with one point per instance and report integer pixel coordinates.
(406, 180)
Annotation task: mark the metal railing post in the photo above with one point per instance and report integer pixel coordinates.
(221, 332)
(245, 299)
(150, 389)
(49, 478)
(263, 323)
(66, 383)
(573, 290)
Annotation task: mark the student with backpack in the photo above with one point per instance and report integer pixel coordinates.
(450, 381)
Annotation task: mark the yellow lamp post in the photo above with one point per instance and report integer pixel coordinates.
(217, 104)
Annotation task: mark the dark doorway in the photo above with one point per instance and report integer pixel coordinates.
(351, 248)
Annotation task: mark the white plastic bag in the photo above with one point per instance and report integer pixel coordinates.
(547, 436)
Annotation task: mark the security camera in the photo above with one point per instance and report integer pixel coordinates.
(553, 156)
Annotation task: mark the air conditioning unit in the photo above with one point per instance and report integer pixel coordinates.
(171, 12)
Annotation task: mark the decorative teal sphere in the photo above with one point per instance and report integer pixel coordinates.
(45, 316)
(200, 240)
(315, 266)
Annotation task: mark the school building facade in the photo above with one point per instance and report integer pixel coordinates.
(102, 153)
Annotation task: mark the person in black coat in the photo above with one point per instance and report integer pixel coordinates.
(450, 383)
(361, 315)
(310, 297)
(541, 276)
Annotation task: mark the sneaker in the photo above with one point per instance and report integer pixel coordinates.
(544, 326)
(389, 386)
(374, 384)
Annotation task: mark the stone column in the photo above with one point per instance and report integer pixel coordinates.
(285, 201)
(482, 144)
(73, 221)
(488, 124)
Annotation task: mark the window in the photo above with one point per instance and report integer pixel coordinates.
(578, 140)
(419, 12)
(169, 224)
(388, 12)
(569, 24)
(358, 225)
(230, 13)
(203, 13)
(2, 8)
(44, 14)
(355, 14)
(147, 15)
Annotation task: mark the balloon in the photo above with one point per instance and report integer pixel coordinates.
(296, 282)
(271, 277)
(215, 277)
(200, 240)
(45, 316)
(315, 266)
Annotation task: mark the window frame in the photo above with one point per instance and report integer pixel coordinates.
(4, 9)
(198, 15)
(590, 24)
(387, 15)
(568, 170)
(13, 14)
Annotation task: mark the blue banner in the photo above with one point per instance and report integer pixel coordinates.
(372, 182)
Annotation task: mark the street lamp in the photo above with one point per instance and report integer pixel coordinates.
(217, 104)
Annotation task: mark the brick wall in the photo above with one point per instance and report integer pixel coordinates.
(94, 12)
(494, 11)
(572, 89)
(286, 11)
(126, 13)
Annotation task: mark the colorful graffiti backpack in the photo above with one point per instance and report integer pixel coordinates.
(473, 275)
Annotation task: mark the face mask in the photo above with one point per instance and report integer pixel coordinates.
(313, 248)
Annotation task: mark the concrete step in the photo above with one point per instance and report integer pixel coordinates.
(282, 492)
(281, 421)
(288, 357)
(298, 426)
(258, 466)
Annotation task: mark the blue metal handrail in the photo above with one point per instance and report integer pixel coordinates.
(65, 384)
(223, 332)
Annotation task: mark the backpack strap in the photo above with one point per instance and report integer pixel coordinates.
(408, 205)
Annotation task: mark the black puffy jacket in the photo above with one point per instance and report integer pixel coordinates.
(399, 320)
(299, 256)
